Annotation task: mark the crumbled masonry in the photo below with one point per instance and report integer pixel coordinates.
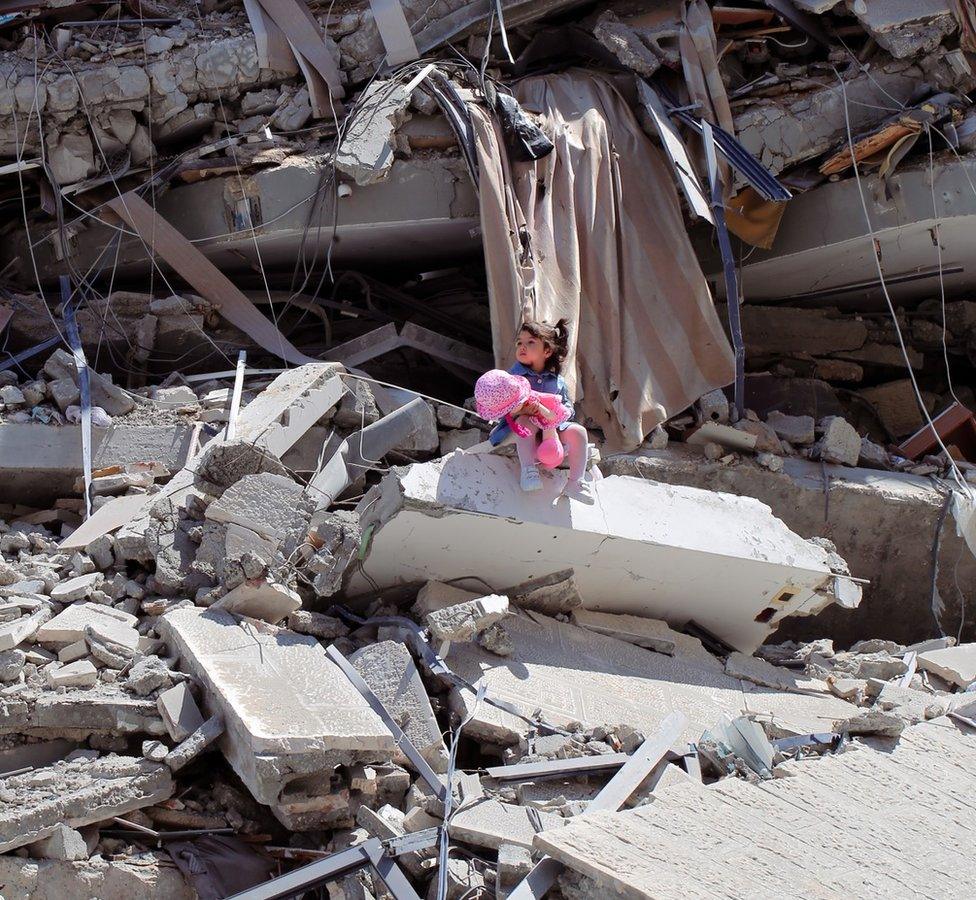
(272, 599)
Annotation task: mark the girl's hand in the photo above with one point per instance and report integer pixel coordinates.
(530, 408)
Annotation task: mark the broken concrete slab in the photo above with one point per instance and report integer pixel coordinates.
(77, 793)
(179, 711)
(389, 670)
(656, 850)
(76, 674)
(907, 28)
(22, 629)
(290, 713)
(104, 709)
(77, 588)
(491, 823)
(266, 504)
(957, 665)
(653, 634)
(69, 626)
(435, 595)
(39, 464)
(640, 548)
(195, 744)
(144, 878)
(260, 598)
(64, 843)
(865, 509)
(569, 674)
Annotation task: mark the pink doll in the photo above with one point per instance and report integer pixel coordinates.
(502, 395)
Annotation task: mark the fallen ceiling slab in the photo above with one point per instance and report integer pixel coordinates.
(678, 554)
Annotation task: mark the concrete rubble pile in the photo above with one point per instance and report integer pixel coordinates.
(229, 657)
(277, 618)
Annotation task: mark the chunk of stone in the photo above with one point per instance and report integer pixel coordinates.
(913, 706)
(11, 395)
(463, 621)
(64, 392)
(872, 455)
(758, 671)
(109, 653)
(77, 793)
(957, 665)
(713, 407)
(366, 149)
(76, 588)
(147, 675)
(266, 504)
(514, 863)
(389, 670)
(766, 438)
(224, 463)
(450, 417)
(260, 598)
(872, 721)
(328, 628)
(495, 639)
(22, 629)
(180, 712)
(796, 430)
(12, 664)
(436, 595)
(156, 751)
(840, 442)
(77, 674)
(64, 843)
(287, 707)
(770, 461)
(870, 665)
(195, 744)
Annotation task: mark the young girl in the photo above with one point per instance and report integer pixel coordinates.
(540, 350)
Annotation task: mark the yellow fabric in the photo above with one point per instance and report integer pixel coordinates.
(754, 219)
(605, 246)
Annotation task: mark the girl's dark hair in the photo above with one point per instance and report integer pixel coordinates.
(556, 336)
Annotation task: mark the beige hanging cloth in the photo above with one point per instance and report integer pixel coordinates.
(594, 232)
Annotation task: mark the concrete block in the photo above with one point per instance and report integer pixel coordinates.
(713, 407)
(77, 793)
(464, 620)
(796, 430)
(436, 595)
(76, 674)
(68, 627)
(179, 711)
(289, 712)
(76, 588)
(12, 663)
(265, 504)
(550, 595)
(957, 665)
(840, 442)
(65, 843)
(389, 670)
(22, 629)
(641, 547)
(195, 744)
(147, 675)
(260, 598)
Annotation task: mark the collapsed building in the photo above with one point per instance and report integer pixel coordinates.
(276, 619)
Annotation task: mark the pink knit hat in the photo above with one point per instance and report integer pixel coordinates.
(497, 393)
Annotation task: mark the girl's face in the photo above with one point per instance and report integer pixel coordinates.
(532, 351)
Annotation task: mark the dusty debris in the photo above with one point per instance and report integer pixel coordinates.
(251, 617)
